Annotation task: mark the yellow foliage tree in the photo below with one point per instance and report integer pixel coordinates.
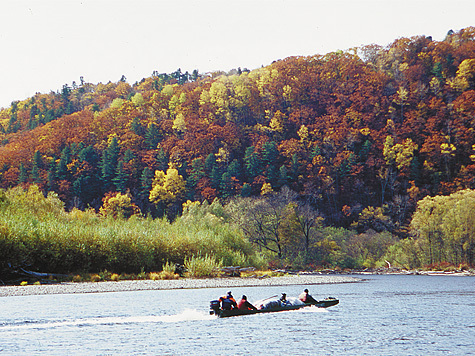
(123, 89)
(179, 123)
(446, 223)
(400, 154)
(266, 189)
(466, 72)
(277, 122)
(287, 93)
(167, 188)
(303, 134)
(118, 206)
(138, 99)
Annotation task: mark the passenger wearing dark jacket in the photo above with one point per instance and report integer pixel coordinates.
(306, 298)
(228, 302)
(243, 304)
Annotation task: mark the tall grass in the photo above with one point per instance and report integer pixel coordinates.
(36, 231)
(205, 266)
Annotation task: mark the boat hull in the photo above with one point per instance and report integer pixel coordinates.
(325, 303)
(236, 312)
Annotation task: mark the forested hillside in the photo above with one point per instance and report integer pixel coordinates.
(360, 135)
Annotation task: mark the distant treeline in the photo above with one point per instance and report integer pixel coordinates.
(360, 136)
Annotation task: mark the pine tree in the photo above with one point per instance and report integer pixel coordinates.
(225, 185)
(65, 159)
(120, 178)
(35, 170)
(136, 127)
(234, 169)
(128, 155)
(152, 137)
(283, 176)
(252, 163)
(109, 163)
(210, 163)
(162, 160)
(23, 175)
(35, 174)
(246, 190)
(146, 182)
(215, 177)
(270, 153)
(294, 167)
(51, 180)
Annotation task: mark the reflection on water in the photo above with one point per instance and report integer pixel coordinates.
(390, 315)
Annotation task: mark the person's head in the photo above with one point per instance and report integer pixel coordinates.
(305, 290)
(229, 293)
(284, 295)
(244, 297)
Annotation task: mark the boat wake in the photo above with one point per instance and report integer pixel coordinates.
(314, 310)
(185, 315)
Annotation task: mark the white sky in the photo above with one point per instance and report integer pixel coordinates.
(45, 44)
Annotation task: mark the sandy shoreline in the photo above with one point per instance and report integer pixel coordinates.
(188, 283)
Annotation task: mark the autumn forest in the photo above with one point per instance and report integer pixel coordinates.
(353, 159)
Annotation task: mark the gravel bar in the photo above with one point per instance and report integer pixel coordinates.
(185, 283)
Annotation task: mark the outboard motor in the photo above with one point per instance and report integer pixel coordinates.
(214, 307)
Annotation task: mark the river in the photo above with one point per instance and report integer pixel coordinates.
(382, 315)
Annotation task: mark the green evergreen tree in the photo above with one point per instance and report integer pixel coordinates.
(35, 174)
(283, 176)
(270, 153)
(129, 155)
(23, 175)
(246, 190)
(294, 168)
(65, 159)
(210, 163)
(197, 172)
(51, 180)
(316, 151)
(364, 151)
(136, 127)
(146, 183)
(109, 163)
(88, 154)
(225, 185)
(252, 163)
(162, 160)
(215, 177)
(120, 178)
(234, 169)
(35, 170)
(415, 169)
(273, 175)
(152, 137)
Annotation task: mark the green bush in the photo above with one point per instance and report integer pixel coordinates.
(37, 232)
(199, 267)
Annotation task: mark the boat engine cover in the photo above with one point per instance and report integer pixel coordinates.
(214, 304)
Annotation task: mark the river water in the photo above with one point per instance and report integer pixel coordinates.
(382, 315)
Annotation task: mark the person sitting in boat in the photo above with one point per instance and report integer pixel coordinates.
(306, 298)
(228, 302)
(243, 304)
(283, 300)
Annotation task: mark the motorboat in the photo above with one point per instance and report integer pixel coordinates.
(270, 305)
